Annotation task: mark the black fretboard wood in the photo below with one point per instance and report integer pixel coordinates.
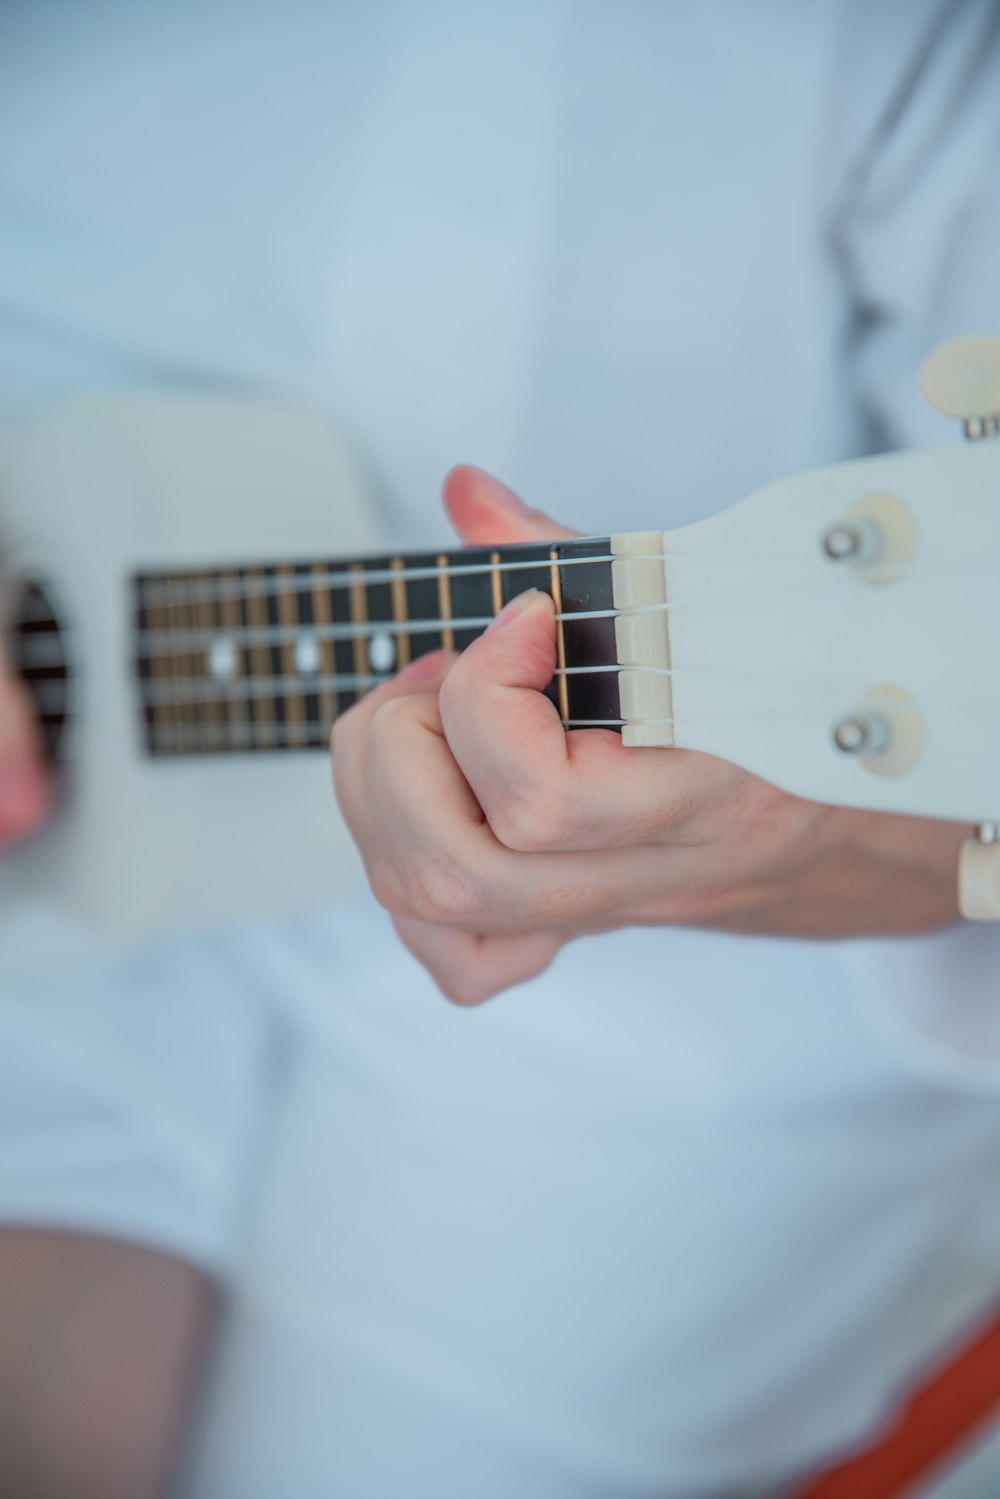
(265, 657)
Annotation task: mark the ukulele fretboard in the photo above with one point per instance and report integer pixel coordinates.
(266, 657)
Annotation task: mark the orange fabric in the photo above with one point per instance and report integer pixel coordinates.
(939, 1417)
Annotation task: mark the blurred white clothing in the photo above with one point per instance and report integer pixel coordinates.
(684, 1216)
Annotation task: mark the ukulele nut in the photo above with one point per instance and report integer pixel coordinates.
(979, 874)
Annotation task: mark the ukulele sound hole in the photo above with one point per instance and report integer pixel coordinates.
(38, 653)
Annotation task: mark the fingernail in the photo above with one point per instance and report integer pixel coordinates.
(516, 606)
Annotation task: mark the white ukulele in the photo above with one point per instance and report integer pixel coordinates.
(173, 607)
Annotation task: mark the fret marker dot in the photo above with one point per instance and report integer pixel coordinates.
(222, 659)
(381, 652)
(307, 654)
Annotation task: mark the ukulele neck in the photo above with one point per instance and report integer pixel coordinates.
(264, 658)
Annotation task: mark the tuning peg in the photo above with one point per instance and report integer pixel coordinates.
(979, 875)
(962, 379)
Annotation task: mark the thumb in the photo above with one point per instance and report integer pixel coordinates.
(485, 512)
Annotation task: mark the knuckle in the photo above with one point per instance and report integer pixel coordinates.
(533, 821)
(387, 887)
(441, 888)
(395, 715)
(453, 693)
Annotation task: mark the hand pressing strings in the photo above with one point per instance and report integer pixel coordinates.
(493, 836)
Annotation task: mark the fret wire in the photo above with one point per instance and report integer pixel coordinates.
(260, 655)
(206, 613)
(359, 616)
(400, 612)
(294, 699)
(334, 578)
(496, 582)
(444, 603)
(560, 634)
(236, 708)
(190, 664)
(171, 663)
(329, 701)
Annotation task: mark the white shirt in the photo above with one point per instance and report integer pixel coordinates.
(683, 1216)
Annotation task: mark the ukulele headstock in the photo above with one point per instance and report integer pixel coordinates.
(836, 632)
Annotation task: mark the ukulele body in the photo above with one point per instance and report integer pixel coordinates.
(98, 489)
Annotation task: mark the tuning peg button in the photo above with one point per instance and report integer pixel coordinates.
(979, 875)
(962, 379)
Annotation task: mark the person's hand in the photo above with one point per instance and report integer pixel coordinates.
(493, 836)
(25, 793)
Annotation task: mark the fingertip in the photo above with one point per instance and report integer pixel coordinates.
(530, 598)
(25, 799)
(482, 509)
(518, 646)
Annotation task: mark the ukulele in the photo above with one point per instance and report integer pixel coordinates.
(834, 632)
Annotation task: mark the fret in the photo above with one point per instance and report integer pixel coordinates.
(359, 616)
(255, 614)
(292, 700)
(379, 650)
(205, 612)
(400, 612)
(444, 603)
(314, 612)
(425, 602)
(562, 684)
(273, 640)
(472, 596)
(237, 710)
(519, 579)
(496, 583)
(345, 652)
(171, 720)
(193, 663)
(586, 587)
